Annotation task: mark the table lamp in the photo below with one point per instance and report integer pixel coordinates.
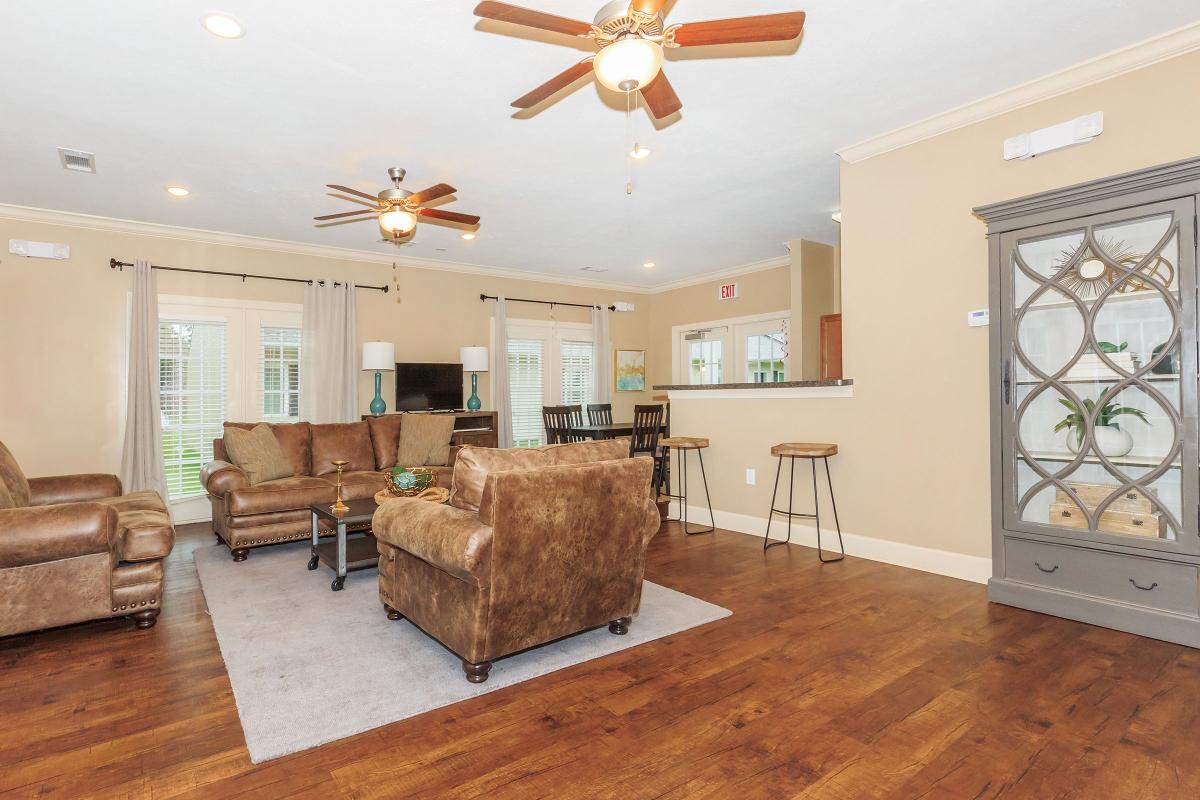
(474, 360)
(380, 357)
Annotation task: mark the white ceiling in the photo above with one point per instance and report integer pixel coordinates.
(318, 92)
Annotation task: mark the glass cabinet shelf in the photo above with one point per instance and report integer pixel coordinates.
(1120, 461)
(1111, 379)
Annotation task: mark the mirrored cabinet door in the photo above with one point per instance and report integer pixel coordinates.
(1099, 420)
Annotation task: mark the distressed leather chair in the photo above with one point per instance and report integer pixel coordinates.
(74, 548)
(535, 545)
(275, 511)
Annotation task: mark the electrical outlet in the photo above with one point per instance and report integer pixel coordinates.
(749, 477)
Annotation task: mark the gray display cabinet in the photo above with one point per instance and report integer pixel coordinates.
(1094, 350)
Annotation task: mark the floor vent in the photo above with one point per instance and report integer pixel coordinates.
(77, 160)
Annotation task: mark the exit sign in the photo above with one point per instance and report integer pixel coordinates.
(728, 291)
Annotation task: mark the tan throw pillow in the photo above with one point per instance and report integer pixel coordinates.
(257, 453)
(13, 477)
(425, 440)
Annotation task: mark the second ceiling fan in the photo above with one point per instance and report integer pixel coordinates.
(630, 38)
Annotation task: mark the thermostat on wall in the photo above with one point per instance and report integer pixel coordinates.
(20, 247)
(977, 318)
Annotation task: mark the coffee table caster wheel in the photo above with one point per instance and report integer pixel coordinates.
(338, 584)
(312, 563)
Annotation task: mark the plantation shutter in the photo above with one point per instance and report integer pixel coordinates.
(191, 358)
(576, 370)
(279, 373)
(526, 362)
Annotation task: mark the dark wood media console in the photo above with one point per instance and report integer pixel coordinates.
(476, 428)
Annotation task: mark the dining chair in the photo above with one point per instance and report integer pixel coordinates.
(557, 422)
(576, 420)
(599, 413)
(647, 422)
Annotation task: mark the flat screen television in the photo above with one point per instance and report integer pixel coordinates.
(422, 387)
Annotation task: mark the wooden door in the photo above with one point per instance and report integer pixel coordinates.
(831, 347)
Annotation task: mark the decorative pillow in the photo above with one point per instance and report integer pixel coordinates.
(13, 477)
(257, 453)
(425, 440)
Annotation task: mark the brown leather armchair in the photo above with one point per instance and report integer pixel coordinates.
(552, 550)
(74, 548)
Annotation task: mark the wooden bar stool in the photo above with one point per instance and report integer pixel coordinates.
(683, 444)
(811, 451)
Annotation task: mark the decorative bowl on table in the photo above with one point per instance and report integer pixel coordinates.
(408, 481)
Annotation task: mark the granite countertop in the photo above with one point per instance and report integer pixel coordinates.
(780, 385)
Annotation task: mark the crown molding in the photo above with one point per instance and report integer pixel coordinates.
(722, 274)
(155, 230)
(1118, 62)
(150, 229)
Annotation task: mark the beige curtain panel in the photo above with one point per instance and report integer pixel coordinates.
(329, 354)
(142, 460)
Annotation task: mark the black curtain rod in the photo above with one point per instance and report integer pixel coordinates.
(114, 264)
(486, 297)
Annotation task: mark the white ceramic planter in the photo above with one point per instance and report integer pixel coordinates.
(1112, 442)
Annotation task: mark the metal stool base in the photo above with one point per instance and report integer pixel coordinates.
(816, 515)
(682, 496)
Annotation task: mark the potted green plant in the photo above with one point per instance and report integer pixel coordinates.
(1110, 439)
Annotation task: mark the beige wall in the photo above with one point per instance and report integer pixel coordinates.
(761, 293)
(63, 328)
(815, 265)
(914, 439)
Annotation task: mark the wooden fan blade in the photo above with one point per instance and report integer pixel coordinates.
(503, 12)
(346, 214)
(556, 84)
(449, 216)
(647, 6)
(660, 97)
(348, 190)
(432, 193)
(765, 28)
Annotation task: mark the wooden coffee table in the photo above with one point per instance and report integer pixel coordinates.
(344, 554)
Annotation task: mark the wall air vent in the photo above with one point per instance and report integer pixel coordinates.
(593, 269)
(77, 160)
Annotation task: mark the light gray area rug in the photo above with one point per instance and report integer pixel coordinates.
(309, 665)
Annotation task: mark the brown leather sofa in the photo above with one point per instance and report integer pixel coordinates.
(275, 511)
(535, 545)
(74, 548)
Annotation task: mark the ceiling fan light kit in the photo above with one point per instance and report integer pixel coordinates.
(628, 64)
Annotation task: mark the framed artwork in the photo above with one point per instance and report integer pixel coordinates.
(630, 366)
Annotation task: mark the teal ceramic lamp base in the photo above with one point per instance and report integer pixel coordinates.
(473, 403)
(377, 405)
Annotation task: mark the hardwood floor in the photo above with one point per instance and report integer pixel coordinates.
(850, 680)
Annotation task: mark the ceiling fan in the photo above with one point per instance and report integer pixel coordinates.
(630, 36)
(398, 210)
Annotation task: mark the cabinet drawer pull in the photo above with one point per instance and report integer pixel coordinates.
(1143, 588)
(1137, 523)
(1066, 513)
(1052, 569)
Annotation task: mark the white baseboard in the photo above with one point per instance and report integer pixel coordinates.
(976, 569)
(194, 509)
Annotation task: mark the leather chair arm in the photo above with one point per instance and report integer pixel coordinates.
(449, 538)
(220, 478)
(37, 534)
(72, 488)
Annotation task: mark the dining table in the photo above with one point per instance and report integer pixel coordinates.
(610, 430)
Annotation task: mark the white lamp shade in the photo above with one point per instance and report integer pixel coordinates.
(379, 356)
(632, 59)
(474, 359)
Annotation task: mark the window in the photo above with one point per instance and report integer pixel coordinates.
(548, 364)
(742, 350)
(221, 360)
(526, 388)
(576, 361)
(191, 370)
(280, 374)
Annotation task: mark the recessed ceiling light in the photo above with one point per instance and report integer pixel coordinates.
(222, 25)
(639, 152)
(467, 236)
(177, 191)
(649, 265)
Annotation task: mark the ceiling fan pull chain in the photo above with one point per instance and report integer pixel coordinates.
(629, 137)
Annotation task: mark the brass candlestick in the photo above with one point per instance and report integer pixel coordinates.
(339, 507)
